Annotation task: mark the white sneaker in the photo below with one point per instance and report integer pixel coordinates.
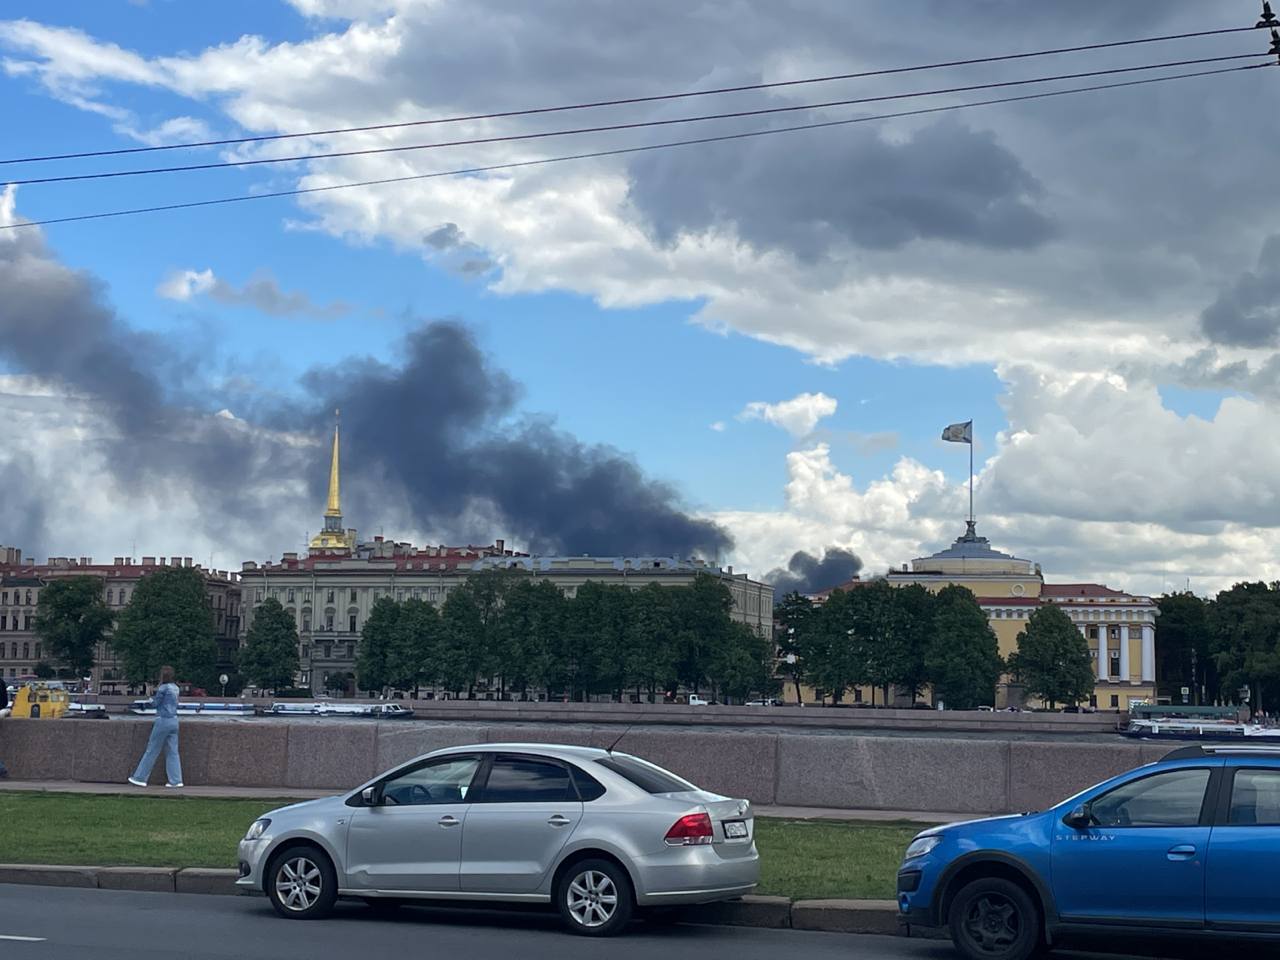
(174, 786)
(137, 783)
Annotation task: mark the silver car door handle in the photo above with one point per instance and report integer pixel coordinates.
(449, 821)
(1182, 852)
(559, 821)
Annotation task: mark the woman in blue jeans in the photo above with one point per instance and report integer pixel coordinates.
(164, 735)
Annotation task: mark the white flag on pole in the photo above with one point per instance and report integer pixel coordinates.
(959, 432)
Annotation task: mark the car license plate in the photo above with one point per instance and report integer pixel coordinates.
(735, 829)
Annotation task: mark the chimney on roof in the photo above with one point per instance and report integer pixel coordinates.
(499, 544)
(149, 561)
(186, 561)
(119, 561)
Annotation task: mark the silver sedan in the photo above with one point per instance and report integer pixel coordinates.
(593, 832)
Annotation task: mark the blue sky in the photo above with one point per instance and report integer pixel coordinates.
(645, 380)
(748, 277)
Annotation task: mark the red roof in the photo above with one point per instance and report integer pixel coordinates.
(1009, 601)
(1089, 590)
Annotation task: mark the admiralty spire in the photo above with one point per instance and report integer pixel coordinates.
(332, 538)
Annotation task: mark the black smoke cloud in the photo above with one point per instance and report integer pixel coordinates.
(434, 439)
(442, 426)
(806, 573)
(1247, 313)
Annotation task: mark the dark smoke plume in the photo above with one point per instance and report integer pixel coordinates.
(805, 573)
(433, 440)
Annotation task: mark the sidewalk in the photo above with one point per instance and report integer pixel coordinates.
(284, 793)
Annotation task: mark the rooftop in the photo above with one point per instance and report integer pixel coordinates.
(970, 546)
(1088, 591)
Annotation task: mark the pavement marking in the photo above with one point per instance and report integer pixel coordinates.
(24, 939)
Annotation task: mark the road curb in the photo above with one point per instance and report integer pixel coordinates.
(138, 879)
(777, 913)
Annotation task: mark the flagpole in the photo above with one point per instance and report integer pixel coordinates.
(971, 471)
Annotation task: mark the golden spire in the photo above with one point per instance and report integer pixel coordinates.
(332, 508)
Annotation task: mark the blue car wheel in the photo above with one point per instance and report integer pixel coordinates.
(994, 919)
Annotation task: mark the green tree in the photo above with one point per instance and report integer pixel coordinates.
(831, 659)
(269, 657)
(651, 640)
(411, 656)
(532, 623)
(963, 660)
(794, 616)
(168, 621)
(916, 607)
(742, 663)
(1052, 660)
(71, 620)
(378, 637)
(45, 671)
(1245, 623)
(702, 613)
(1184, 656)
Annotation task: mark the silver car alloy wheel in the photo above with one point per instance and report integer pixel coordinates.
(592, 898)
(298, 883)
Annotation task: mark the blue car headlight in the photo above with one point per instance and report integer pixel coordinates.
(257, 829)
(922, 846)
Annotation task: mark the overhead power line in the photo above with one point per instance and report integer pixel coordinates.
(626, 101)
(635, 125)
(620, 151)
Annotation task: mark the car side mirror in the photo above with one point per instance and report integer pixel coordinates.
(369, 796)
(1081, 818)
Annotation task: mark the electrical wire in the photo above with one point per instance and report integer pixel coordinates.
(620, 151)
(635, 125)
(625, 101)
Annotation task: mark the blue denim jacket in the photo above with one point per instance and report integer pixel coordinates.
(166, 701)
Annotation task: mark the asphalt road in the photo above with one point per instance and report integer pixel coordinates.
(74, 924)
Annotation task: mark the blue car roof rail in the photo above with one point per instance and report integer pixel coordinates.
(1223, 750)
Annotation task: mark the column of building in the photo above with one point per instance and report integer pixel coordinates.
(1104, 654)
(1148, 653)
(1124, 652)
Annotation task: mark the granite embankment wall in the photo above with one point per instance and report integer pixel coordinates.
(782, 766)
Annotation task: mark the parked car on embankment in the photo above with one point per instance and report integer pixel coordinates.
(594, 833)
(1181, 850)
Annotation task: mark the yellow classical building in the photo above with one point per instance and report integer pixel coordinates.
(1119, 627)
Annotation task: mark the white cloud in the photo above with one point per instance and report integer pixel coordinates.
(798, 416)
(185, 285)
(261, 292)
(719, 426)
(1095, 479)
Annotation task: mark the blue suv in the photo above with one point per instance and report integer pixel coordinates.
(1187, 847)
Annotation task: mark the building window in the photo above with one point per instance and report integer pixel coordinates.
(330, 596)
(1093, 701)
(351, 623)
(3, 626)
(417, 592)
(1115, 701)
(26, 651)
(1115, 665)
(857, 694)
(26, 622)
(122, 595)
(353, 594)
(306, 623)
(111, 597)
(291, 600)
(328, 651)
(306, 596)
(1, 651)
(28, 598)
(1135, 633)
(1093, 633)
(351, 650)
(4, 598)
(258, 595)
(13, 650)
(999, 614)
